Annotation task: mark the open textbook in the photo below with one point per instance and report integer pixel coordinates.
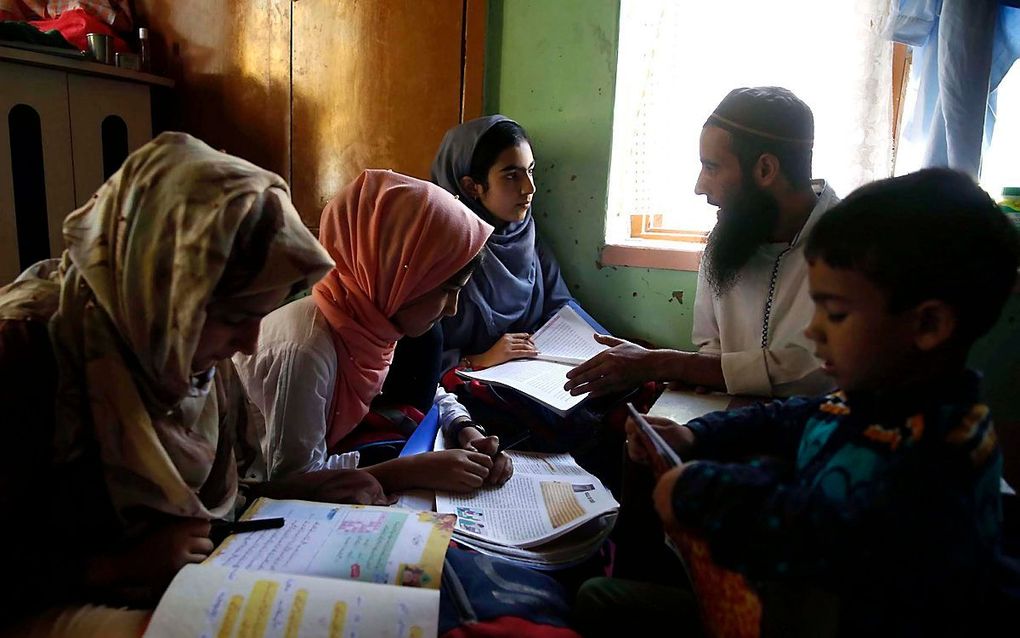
(565, 341)
(331, 570)
(551, 512)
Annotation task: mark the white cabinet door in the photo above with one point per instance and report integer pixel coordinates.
(45, 92)
(92, 101)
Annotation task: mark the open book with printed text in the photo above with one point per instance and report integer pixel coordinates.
(565, 341)
(551, 512)
(331, 570)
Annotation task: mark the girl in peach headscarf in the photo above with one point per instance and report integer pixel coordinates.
(120, 421)
(403, 250)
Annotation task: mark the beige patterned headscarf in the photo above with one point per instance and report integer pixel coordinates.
(145, 256)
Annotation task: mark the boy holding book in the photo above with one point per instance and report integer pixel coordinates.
(882, 498)
(884, 494)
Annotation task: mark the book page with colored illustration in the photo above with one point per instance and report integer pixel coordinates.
(208, 600)
(547, 496)
(331, 570)
(354, 542)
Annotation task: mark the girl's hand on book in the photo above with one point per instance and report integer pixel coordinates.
(452, 470)
(156, 558)
(512, 345)
(358, 487)
(502, 466)
(351, 486)
(502, 470)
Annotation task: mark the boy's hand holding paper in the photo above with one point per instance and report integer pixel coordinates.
(655, 441)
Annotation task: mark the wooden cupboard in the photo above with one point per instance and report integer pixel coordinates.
(318, 90)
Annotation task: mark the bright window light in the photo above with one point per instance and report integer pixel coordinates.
(677, 60)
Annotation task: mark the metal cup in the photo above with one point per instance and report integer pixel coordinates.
(100, 47)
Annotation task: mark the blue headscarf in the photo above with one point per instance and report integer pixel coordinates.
(518, 283)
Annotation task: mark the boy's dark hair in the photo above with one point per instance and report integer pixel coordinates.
(933, 234)
(499, 137)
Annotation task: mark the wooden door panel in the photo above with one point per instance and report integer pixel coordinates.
(375, 85)
(231, 62)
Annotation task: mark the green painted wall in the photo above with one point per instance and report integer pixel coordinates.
(551, 65)
(997, 354)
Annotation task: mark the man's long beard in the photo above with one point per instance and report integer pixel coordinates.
(742, 227)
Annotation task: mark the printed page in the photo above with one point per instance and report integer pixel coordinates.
(567, 338)
(353, 542)
(541, 380)
(547, 465)
(685, 405)
(563, 342)
(575, 546)
(530, 508)
(207, 600)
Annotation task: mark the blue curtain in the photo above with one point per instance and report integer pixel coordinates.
(961, 51)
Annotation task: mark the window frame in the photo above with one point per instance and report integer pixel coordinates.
(649, 236)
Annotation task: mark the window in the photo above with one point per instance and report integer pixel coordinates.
(999, 161)
(999, 155)
(677, 60)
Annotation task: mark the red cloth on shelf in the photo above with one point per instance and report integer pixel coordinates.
(75, 24)
(116, 13)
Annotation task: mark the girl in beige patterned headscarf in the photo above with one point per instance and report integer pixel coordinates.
(168, 269)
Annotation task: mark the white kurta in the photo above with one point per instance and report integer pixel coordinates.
(731, 326)
(290, 379)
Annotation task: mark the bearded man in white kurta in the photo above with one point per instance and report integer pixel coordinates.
(752, 302)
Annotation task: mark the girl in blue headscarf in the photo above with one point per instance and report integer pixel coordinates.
(489, 164)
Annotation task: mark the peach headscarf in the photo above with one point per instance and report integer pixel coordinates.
(394, 239)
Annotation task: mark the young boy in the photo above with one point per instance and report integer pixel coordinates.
(884, 494)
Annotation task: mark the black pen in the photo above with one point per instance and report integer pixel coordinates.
(504, 447)
(251, 525)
